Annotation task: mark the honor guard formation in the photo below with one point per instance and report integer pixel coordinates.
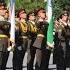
(30, 36)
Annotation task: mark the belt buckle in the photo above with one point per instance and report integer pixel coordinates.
(24, 36)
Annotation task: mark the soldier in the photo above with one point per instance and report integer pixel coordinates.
(43, 54)
(66, 33)
(21, 40)
(60, 43)
(4, 43)
(32, 34)
(4, 37)
(40, 42)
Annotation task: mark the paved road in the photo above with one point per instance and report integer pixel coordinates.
(9, 64)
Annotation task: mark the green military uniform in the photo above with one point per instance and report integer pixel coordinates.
(21, 45)
(44, 53)
(60, 46)
(66, 34)
(4, 43)
(32, 34)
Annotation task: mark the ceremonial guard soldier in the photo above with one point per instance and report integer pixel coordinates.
(39, 44)
(60, 41)
(66, 34)
(21, 40)
(43, 54)
(4, 43)
(32, 34)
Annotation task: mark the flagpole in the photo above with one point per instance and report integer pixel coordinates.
(12, 21)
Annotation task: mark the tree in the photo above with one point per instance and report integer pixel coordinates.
(60, 5)
(29, 5)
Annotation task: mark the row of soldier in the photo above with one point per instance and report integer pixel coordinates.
(30, 37)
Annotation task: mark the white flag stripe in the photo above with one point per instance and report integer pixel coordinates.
(49, 10)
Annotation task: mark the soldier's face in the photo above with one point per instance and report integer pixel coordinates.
(2, 10)
(2, 7)
(65, 17)
(32, 17)
(22, 14)
(42, 14)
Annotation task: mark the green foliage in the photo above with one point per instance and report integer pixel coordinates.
(58, 5)
(29, 5)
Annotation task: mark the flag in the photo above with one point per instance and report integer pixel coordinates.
(51, 25)
(12, 21)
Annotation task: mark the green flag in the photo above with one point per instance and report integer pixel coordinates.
(51, 25)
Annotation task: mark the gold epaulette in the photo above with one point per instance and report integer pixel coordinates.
(23, 27)
(33, 27)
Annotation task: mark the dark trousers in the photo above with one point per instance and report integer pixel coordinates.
(59, 58)
(3, 60)
(32, 51)
(67, 55)
(18, 55)
(31, 57)
(3, 53)
(45, 59)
